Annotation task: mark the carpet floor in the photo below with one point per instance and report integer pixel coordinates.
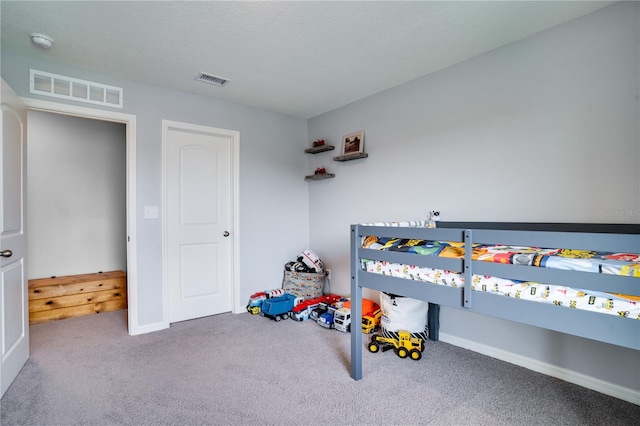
(241, 369)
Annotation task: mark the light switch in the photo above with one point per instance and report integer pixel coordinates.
(150, 212)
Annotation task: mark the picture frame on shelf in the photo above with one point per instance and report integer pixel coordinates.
(353, 143)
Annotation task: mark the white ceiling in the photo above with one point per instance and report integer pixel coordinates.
(299, 58)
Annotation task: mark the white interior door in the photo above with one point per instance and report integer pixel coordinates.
(198, 243)
(14, 309)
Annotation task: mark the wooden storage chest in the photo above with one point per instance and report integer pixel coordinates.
(76, 295)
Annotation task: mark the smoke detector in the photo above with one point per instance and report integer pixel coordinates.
(41, 40)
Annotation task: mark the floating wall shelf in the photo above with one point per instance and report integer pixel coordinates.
(350, 157)
(321, 148)
(320, 176)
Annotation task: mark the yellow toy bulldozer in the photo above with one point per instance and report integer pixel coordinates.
(404, 345)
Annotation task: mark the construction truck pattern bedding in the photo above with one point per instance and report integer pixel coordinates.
(626, 264)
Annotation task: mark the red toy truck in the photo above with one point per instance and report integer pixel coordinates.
(303, 310)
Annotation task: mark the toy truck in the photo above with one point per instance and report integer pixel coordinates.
(319, 310)
(279, 308)
(303, 314)
(342, 320)
(326, 319)
(303, 310)
(314, 310)
(322, 309)
(371, 322)
(404, 345)
(255, 301)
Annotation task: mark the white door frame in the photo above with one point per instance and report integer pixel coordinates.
(130, 122)
(235, 224)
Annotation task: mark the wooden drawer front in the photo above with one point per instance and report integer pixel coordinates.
(76, 295)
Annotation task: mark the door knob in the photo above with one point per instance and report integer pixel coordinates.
(6, 253)
(226, 233)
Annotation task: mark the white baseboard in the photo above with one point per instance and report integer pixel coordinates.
(607, 388)
(149, 328)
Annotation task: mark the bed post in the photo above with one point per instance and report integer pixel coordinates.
(433, 321)
(356, 309)
(468, 273)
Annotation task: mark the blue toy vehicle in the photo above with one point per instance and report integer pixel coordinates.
(279, 308)
(326, 319)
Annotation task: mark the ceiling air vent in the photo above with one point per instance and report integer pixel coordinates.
(60, 86)
(212, 79)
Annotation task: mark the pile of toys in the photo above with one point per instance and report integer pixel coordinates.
(305, 277)
(329, 311)
(334, 312)
(299, 266)
(301, 298)
(307, 262)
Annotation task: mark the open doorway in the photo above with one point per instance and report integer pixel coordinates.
(119, 250)
(76, 205)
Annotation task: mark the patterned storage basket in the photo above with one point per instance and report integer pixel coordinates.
(302, 284)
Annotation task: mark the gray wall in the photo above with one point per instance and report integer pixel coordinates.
(274, 214)
(76, 191)
(545, 129)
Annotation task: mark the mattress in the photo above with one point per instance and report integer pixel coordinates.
(627, 264)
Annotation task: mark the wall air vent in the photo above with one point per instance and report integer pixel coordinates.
(59, 86)
(212, 79)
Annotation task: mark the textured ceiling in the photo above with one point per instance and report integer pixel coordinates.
(298, 58)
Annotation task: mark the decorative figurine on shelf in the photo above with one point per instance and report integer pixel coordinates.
(317, 143)
(320, 171)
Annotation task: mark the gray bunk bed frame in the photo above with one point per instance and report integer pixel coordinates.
(592, 325)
